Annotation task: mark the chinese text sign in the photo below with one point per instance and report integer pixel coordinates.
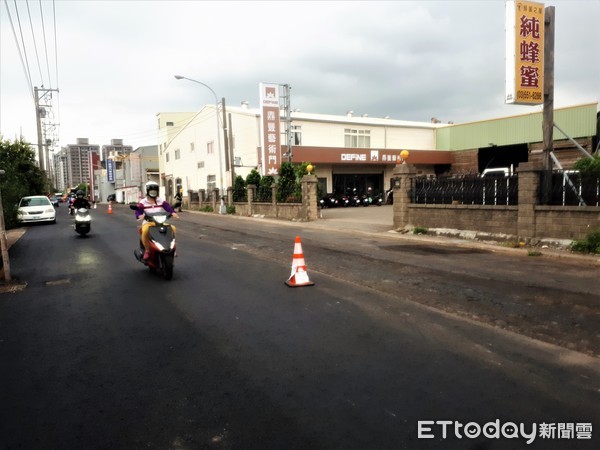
(524, 53)
(271, 153)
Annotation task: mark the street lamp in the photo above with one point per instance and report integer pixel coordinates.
(180, 77)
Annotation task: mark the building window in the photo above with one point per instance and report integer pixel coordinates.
(296, 134)
(167, 156)
(211, 182)
(357, 138)
(192, 147)
(210, 148)
(177, 154)
(169, 124)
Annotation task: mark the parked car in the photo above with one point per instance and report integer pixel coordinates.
(36, 208)
(111, 198)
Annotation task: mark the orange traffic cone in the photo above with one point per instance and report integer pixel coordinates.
(109, 207)
(299, 276)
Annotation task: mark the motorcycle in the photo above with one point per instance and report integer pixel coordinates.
(162, 244)
(377, 200)
(344, 201)
(83, 222)
(328, 201)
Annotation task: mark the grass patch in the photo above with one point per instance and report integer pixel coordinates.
(591, 244)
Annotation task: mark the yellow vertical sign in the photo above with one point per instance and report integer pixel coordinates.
(525, 53)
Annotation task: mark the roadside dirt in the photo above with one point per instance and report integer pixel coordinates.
(552, 297)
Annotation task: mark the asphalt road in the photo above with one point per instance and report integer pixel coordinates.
(99, 353)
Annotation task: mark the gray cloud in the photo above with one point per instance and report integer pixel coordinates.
(407, 60)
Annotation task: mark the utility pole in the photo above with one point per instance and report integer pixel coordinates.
(288, 120)
(41, 113)
(228, 164)
(231, 156)
(548, 115)
(3, 242)
(38, 116)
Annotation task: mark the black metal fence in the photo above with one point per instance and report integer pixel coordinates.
(571, 188)
(466, 190)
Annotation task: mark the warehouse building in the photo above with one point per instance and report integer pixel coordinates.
(203, 151)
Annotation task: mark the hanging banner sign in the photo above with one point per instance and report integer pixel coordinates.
(110, 170)
(270, 135)
(524, 53)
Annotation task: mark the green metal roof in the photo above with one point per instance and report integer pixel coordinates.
(576, 121)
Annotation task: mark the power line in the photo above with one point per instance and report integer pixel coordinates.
(23, 65)
(45, 45)
(37, 57)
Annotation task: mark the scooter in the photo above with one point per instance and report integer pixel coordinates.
(83, 222)
(328, 201)
(162, 244)
(377, 200)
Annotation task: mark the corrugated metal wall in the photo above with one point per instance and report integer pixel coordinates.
(577, 121)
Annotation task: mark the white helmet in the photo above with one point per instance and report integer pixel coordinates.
(152, 189)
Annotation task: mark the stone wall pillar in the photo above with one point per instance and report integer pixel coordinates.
(310, 201)
(251, 189)
(230, 196)
(274, 195)
(215, 199)
(401, 186)
(529, 188)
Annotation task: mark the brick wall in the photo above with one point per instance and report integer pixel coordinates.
(465, 161)
(565, 151)
(528, 220)
(484, 218)
(566, 222)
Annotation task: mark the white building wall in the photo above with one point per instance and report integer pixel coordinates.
(327, 134)
(195, 166)
(245, 125)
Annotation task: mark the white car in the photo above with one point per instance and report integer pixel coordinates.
(36, 208)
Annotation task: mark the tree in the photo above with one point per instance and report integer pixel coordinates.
(253, 178)
(290, 181)
(264, 188)
(286, 184)
(22, 177)
(588, 166)
(239, 189)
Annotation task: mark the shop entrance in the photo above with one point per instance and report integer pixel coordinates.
(346, 183)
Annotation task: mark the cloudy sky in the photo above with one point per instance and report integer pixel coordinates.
(114, 62)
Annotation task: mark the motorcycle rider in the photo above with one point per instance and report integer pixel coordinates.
(70, 201)
(151, 203)
(178, 198)
(80, 201)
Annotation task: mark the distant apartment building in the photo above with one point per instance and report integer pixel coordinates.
(132, 170)
(73, 164)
